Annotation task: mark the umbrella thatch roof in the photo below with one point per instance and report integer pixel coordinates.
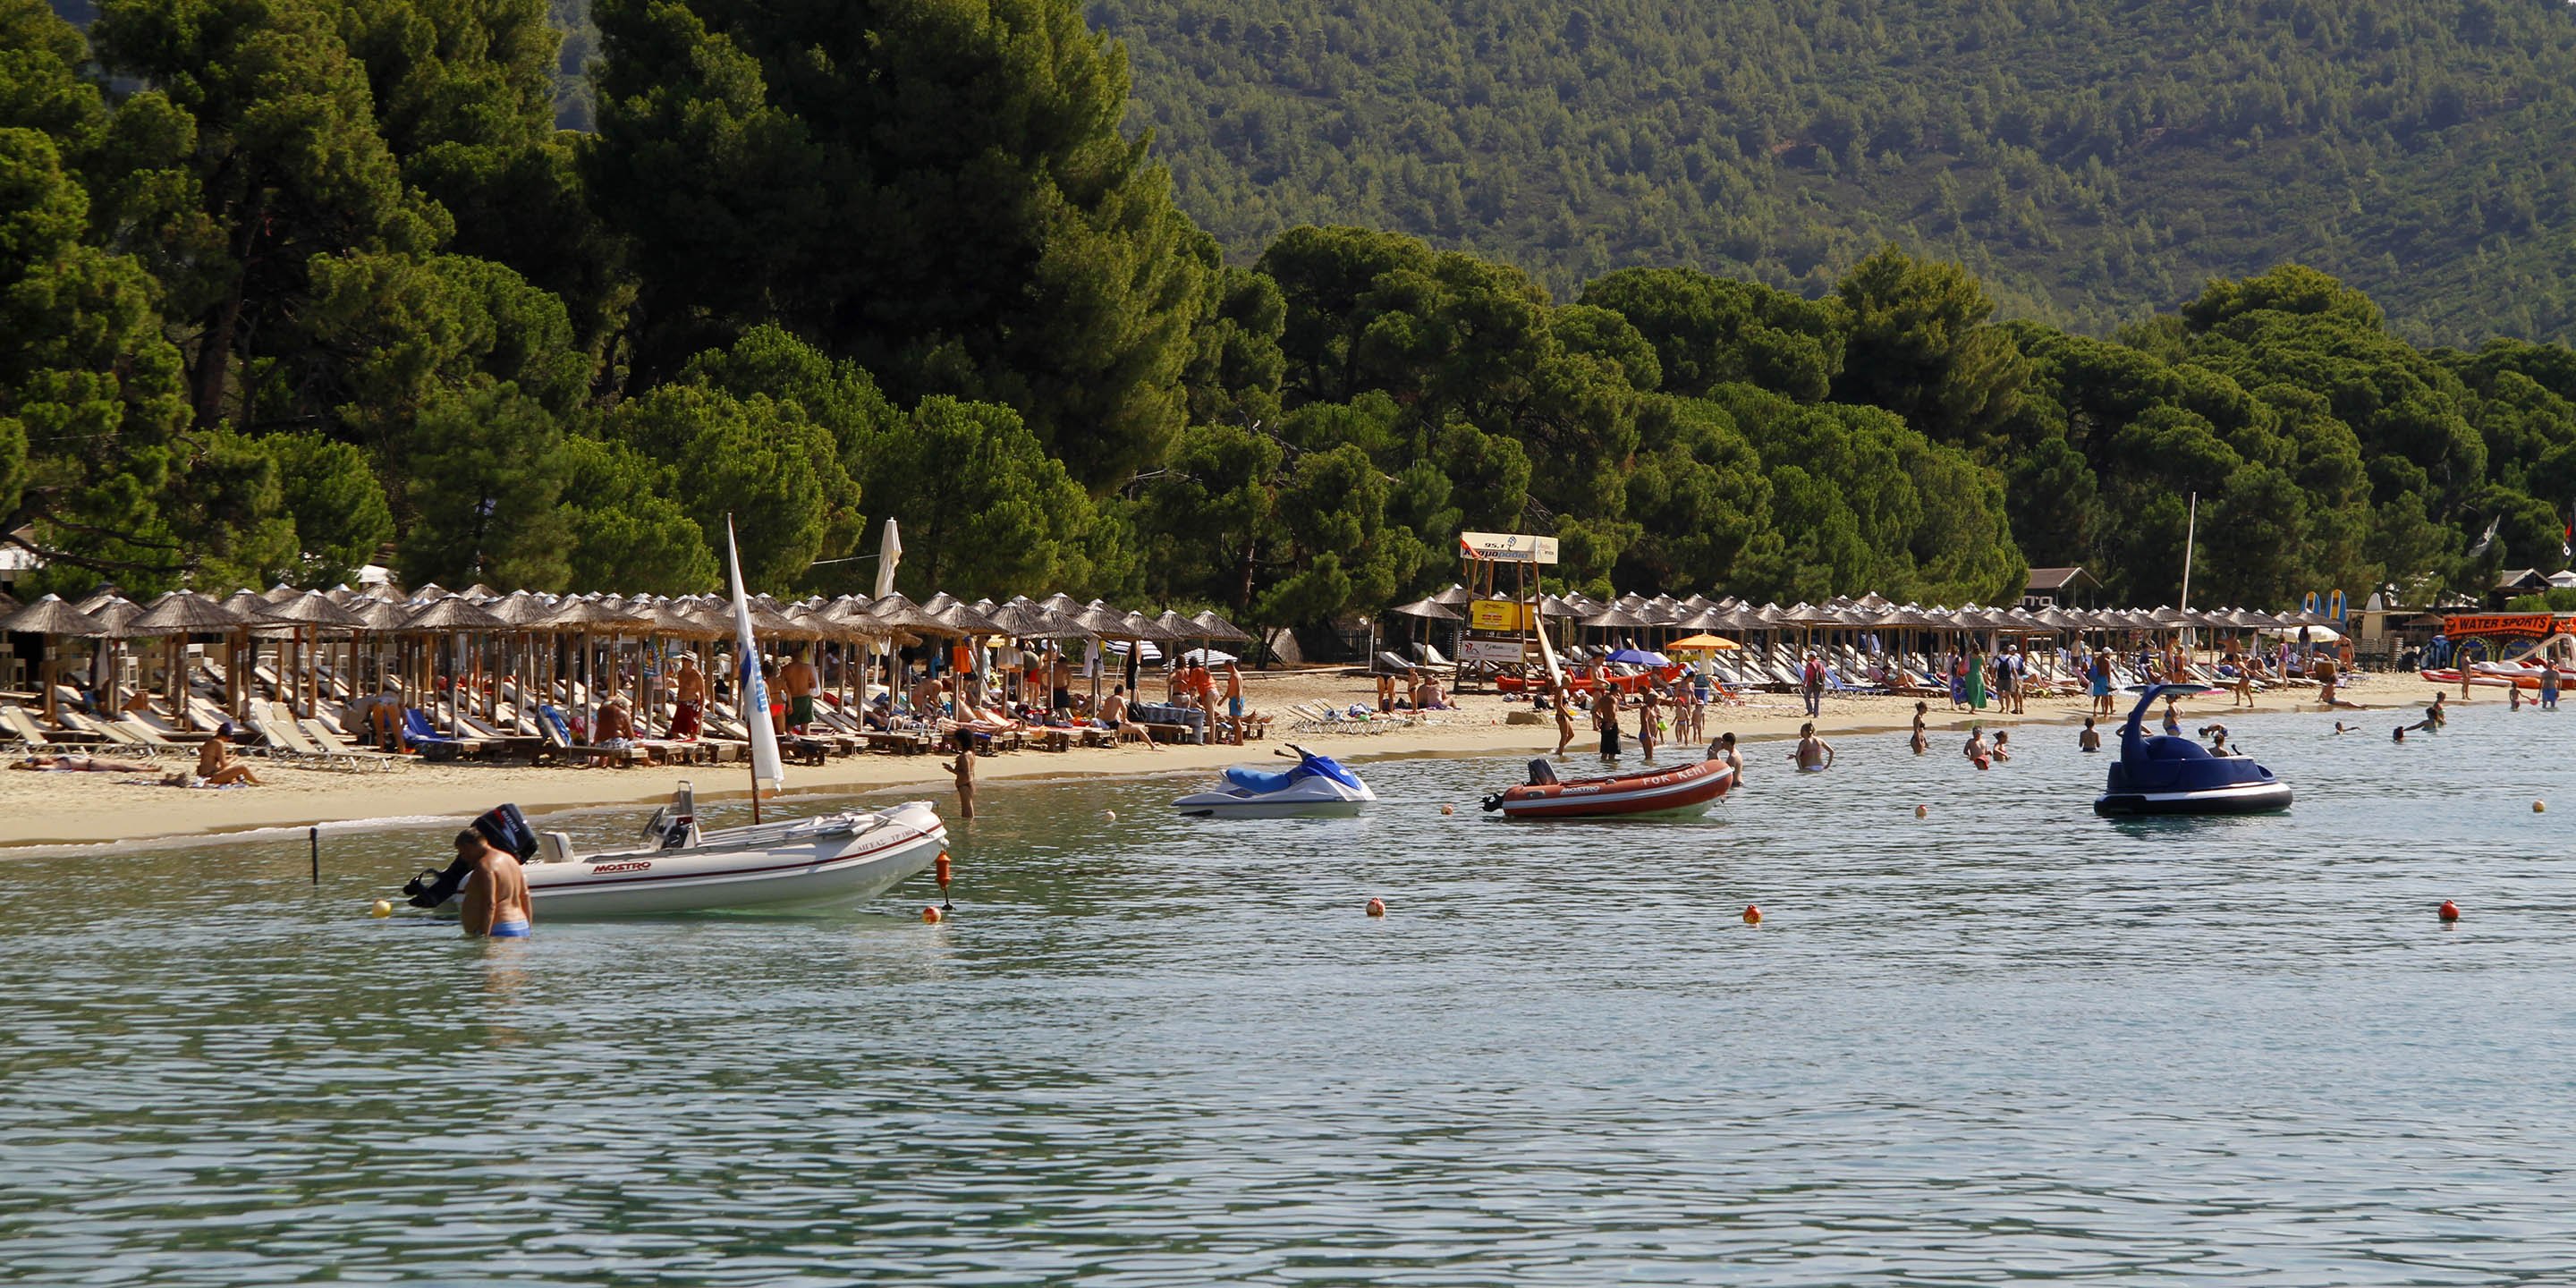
(280, 593)
(597, 615)
(380, 614)
(312, 608)
(1614, 618)
(1429, 609)
(1140, 627)
(91, 602)
(963, 619)
(51, 616)
(1218, 628)
(1100, 619)
(1454, 596)
(453, 613)
(185, 612)
(117, 613)
(521, 609)
(898, 612)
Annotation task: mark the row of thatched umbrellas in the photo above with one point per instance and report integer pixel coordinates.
(1869, 612)
(466, 636)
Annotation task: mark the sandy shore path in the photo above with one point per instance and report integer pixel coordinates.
(46, 809)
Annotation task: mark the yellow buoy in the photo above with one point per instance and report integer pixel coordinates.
(929, 915)
(2540, 807)
(382, 909)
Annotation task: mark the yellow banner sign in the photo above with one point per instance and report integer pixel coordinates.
(1498, 615)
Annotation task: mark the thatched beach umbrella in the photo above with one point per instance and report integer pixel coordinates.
(53, 619)
(176, 616)
(313, 611)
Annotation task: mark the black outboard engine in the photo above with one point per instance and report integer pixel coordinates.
(508, 831)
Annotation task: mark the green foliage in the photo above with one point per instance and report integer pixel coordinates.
(483, 472)
(758, 460)
(983, 509)
(331, 491)
(628, 534)
(2090, 160)
(1016, 247)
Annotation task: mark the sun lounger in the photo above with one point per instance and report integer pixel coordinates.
(23, 733)
(331, 746)
(418, 733)
(115, 735)
(559, 742)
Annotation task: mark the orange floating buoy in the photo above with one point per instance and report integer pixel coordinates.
(1377, 907)
(2540, 807)
(1922, 811)
(2450, 911)
(1752, 915)
(929, 915)
(1448, 809)
(939, 869)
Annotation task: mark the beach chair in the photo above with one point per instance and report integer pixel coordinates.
(559, 742)
(419, 734)
(114, 735)
(276, 725)
(23, 733)
(332, 747)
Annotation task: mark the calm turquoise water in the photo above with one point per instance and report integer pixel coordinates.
(2009, 1041)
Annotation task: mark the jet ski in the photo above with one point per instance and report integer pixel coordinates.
(2162, 774)
(1315, 785)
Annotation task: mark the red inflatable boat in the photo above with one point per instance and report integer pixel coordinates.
(1682, 789)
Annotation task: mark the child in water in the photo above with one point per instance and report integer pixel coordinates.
(2003, 747)
(2091, 738)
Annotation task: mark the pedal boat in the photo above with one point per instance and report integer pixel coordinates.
(2162, 774)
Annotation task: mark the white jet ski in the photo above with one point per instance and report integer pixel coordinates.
(830, 859)
(1317, 785)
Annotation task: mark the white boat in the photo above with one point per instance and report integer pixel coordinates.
(1316, 785)
(833, 858)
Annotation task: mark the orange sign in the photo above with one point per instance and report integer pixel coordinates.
(2533, 625)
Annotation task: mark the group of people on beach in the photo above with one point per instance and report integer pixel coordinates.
(218, 765)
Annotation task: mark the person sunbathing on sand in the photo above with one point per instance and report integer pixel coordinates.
(79, 764)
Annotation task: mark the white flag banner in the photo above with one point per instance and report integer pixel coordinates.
(765, 765)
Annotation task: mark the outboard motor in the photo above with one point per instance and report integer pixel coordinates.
(1541, 772)
(508, 831)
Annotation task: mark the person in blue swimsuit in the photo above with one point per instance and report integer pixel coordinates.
(496, 893)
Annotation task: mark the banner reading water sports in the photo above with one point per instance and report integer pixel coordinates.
(2519, 625)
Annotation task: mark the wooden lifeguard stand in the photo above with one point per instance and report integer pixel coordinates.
(1502, 579)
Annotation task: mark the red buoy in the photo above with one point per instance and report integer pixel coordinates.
(1377, 907)
(930, 916)
(2450, 911)
(1752, 915)
(940, 867)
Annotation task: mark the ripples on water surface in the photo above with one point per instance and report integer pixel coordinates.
(2010, 1040)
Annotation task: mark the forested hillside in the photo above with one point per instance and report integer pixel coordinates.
(291, 285)
(2092, 160)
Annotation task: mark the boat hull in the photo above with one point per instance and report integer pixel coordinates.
(1682, 791)
(2248, 798)
(821, 867)
(1257, 807)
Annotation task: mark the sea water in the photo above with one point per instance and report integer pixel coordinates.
(2007, 1040)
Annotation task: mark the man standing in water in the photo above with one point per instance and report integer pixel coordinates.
(1649, 711)
(496, 892)
(1605, 713)
(1724, 749)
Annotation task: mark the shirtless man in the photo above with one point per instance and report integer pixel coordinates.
(1814, 754)
(1059, 680)
(1113, 716)
(1724, 749)
(689, 687)
(1605, 716)
(1234, 700)
(799, 683)
(496, 893)
(2090, 739)
(1978, 750)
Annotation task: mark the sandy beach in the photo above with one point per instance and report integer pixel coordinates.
(48, 809)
